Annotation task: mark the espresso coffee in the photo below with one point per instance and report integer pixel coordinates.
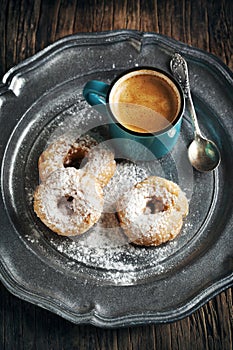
(145, 101)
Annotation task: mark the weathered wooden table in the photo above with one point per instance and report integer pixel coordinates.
(25, 28)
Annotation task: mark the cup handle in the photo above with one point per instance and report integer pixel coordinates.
(95, 92)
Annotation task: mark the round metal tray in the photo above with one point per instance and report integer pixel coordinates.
(100, 278)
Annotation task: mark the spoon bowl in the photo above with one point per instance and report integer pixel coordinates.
(203, 154)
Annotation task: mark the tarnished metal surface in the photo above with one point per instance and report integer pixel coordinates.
(40, 99)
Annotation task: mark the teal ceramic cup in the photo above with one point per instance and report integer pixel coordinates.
(145, 106)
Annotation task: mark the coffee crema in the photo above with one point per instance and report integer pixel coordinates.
(145, 101)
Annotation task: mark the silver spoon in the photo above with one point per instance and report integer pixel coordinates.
(203, 154)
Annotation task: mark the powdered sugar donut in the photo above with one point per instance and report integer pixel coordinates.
(69, 201)
(64, 153)
(152, 212)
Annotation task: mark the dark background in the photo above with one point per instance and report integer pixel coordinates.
(27, 27)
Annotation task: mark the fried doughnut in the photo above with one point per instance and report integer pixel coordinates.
(152, 212)
(69, 201)
(64, 153)
(101, 164)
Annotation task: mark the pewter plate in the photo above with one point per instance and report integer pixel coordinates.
(100, 278)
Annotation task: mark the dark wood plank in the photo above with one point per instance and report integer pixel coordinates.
(25, 326)
(25, 28)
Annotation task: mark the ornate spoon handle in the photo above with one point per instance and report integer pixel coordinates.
(179, 69)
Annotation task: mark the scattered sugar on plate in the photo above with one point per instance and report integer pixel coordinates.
(105, 247)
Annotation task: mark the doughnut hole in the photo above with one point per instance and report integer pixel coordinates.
(65, 205)
(154, 205)
(75, 158)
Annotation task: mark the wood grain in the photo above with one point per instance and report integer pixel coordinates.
(25, 28)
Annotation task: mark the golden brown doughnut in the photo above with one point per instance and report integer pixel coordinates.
(64, 153)
(152, 212)
(69, 201)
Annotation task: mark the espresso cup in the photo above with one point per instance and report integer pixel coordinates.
(145, 106)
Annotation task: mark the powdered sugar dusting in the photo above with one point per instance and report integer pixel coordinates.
(151, 212)
(105, 247)
(69, 201)
(103, 252)
(127, 174)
